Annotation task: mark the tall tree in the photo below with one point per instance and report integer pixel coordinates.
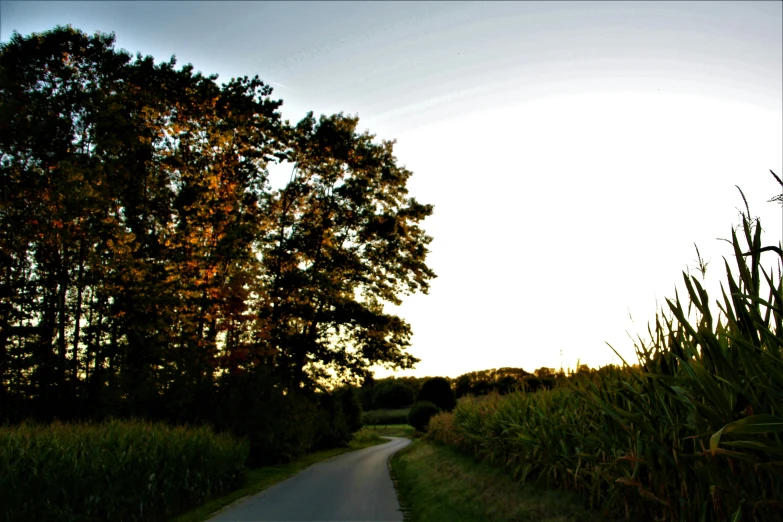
(144, 257)
(128, 216)
(52, 89)
(342, 238)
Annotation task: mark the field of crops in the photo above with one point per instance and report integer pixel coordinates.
(385, 417)
(113, 471)
(691, 433)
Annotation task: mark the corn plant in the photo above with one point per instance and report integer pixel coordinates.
(691, 433)
(113, 471)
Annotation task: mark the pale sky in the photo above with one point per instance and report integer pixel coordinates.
(574, 151)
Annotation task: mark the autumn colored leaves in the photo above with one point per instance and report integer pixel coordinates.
(145, 257)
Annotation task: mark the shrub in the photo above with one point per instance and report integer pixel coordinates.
(421, 413)
(441, 429)
(278, 427)
(438, 391)
(352, 409)
(365, 395)
(331, 425)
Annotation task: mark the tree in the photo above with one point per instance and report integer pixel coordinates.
(544, 372)
(393, 395)
(351, 406)
(128, 218)
(438, 391)
(341, 239)
(58, 222)
(147, 268)
(506, 384)
(463, 386)
(502, 380)
(421, 413)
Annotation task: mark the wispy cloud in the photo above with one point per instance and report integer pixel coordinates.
(279, 85)
(439, 100)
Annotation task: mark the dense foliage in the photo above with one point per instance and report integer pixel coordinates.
(505, 380)
(393, 395)
(114, 471)
(437, 391)
(373, 389)
(148, 268)
(421, 413)
(692, 433)
(351, 407)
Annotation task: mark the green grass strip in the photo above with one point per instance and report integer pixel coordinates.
(437, 482)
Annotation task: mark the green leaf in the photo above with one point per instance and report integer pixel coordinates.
(754, 445)
(711, 388)
(754, 424)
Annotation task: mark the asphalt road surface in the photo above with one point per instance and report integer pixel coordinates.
(352, 487)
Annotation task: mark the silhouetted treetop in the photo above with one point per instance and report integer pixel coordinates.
(145, 256)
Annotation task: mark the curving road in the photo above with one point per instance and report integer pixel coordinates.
(351, 487)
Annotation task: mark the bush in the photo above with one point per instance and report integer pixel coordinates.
(365, 395)
(438, 391)
(421, 413)
(352, 409)
(117, 470)
(331, 425)
(441, 428)
(278, 427)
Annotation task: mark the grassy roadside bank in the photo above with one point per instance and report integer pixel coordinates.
(438, 483)
(261, 478)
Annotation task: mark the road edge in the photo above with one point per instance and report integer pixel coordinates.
(404, 507)
(241, 499)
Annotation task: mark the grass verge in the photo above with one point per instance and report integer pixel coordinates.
(261, 478)
(436, 482)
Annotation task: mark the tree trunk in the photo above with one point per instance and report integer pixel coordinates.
(61, 320)
(78, 315)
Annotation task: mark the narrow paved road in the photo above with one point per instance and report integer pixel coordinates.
(351, 487)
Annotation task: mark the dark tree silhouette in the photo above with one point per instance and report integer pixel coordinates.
(147, 268)
(438, 391)
(393, 395)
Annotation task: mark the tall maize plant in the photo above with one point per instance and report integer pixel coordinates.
(692, 433)
(117, 470)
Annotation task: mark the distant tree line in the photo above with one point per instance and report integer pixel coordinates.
(506, 380)
(389, 392)
(402, 392)
(148, 269)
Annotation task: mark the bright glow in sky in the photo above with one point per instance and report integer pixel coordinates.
(574, 151)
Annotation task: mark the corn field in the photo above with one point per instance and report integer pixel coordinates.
(691, 433)
(113, 471)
